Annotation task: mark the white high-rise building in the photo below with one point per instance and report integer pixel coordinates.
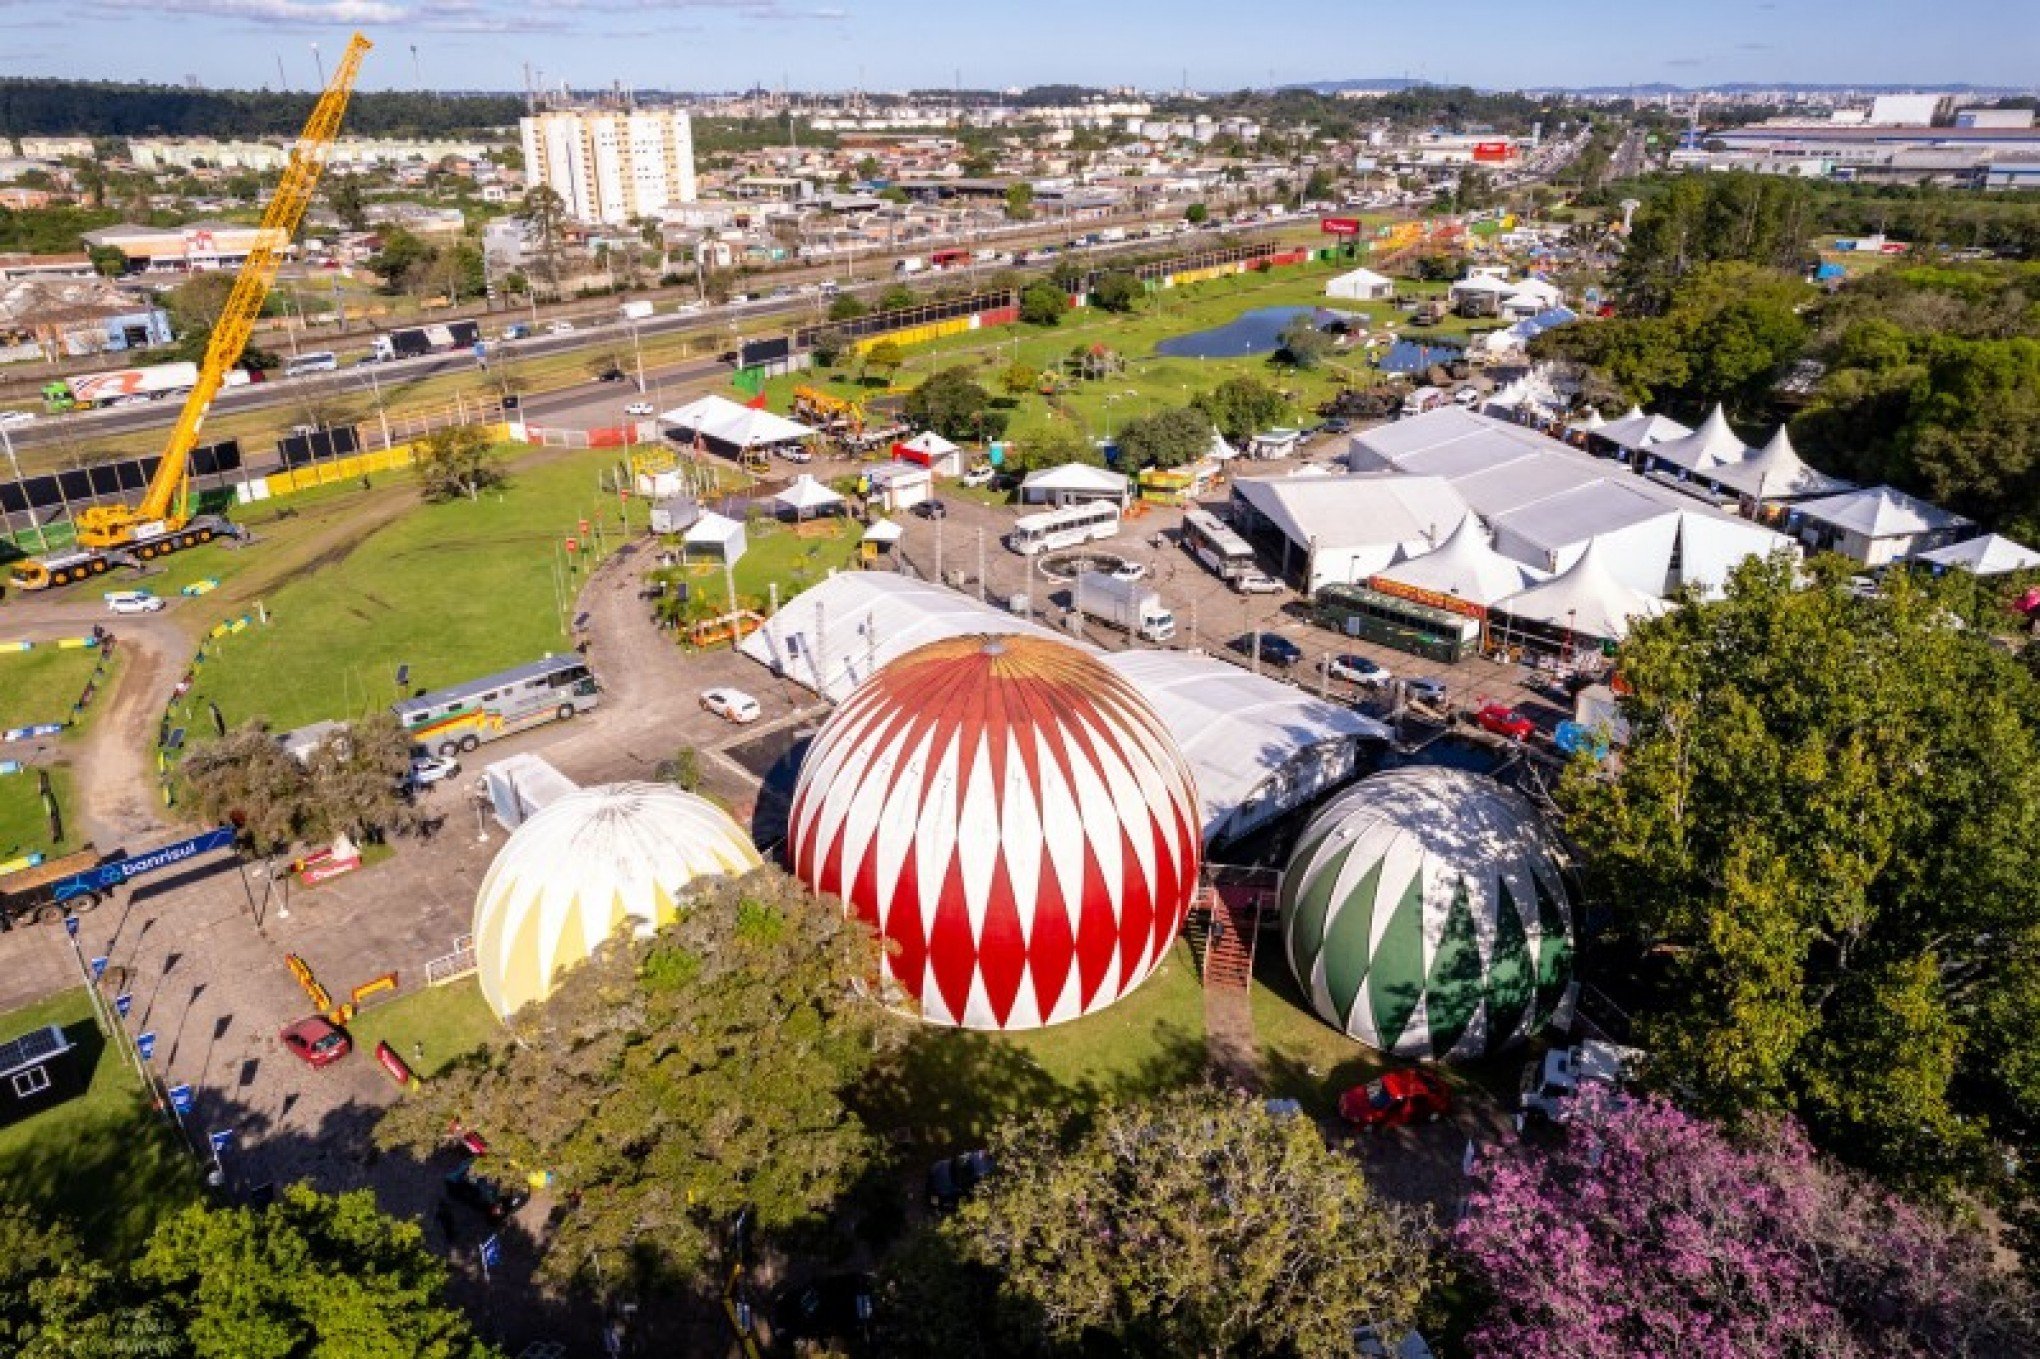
(611, 166)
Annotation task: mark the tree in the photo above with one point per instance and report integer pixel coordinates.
(458, 461)
(828, 346)
(401, 260)
(1822, 836)
(545, 212)
(107, 261)
(1169, 438)
(886, 356)
(846, 307)
(355, 785)
(1193, 1223)
(1241, 407)
(247, 778)
(1303, 345)
(1197, 214)
(954, 406)
(1646, 1231)
(196, 303)
(1052, 445)
(898, 297)
(351, 785)
(1117, 291)
(349, 202)
(1019, 201)
(1018, 379)
(674, 1080)
(1043, 304)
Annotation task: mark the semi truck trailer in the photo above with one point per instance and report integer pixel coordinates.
(1128, 605)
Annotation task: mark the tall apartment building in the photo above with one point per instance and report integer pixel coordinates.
(611, 166)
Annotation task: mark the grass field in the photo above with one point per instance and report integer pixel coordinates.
(1302, 1057)
(24, 828)
(104, 1160)
(454, 591)
(445, 1021)
(41, 685)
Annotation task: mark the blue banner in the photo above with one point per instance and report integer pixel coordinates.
(182, 1099)
(124, 1002)
(114, 872)
(492, 1252)
(221, 1140)
(71, 925)
(99, 968)
(145, 1043)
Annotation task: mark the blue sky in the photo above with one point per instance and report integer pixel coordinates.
(892, 44)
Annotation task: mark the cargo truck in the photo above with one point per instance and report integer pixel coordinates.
(635, 311)
(1128, 605)
(128, 384)
(414, 341)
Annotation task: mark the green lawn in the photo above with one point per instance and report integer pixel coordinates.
(24, 828)
(448, 1021)
(41, 685)
(1302, 1056)
(454, 591)
(104, 1160)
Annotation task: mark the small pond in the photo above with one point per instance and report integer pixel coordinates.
(1251, 332)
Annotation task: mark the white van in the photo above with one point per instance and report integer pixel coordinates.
(133, 601)
(321, 361)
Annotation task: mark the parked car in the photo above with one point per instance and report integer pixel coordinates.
(1396, 1099)
(731, 704)
(950, 1181)
(932, 509)
(638, 408)
(1129, 571)
(427, 770)
(470, 1189)
(1355, 669)
(560, 328)
(795, 453)
(610, 375)
(14, 419)
(1256, 583)
(315, 1042)
(133, 601)
(1425, 689)
(1275, 648)
(1505, 721)
(981, 475)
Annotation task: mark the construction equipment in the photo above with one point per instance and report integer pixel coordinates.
(835, 414)
(114, 535)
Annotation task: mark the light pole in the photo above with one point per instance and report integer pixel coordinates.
(637, 350)
(381, 415)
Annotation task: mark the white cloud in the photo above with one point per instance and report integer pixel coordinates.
(294, 12)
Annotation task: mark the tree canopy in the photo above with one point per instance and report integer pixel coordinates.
(458, 462)
(1043, 304)
(952, 404)
(1168, 438)
(1117, 290)
(674, 1080)
(351, 785)
(1241, 407)
(1303, 345)
(1824, 834)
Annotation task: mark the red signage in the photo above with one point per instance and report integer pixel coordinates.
(1491, 151)
(1417, 595)
(1340, 226)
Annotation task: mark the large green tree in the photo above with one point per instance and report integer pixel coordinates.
(1241, 407)
(1168, 438)
(674, 1080)
(1043, 304)
(1825, 833)
(1197, 1223)
(953, 405)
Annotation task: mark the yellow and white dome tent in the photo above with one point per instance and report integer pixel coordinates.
(575, 872)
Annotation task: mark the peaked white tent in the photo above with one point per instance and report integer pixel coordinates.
(806, 496)
(1221, 451)
(1465, 567)
(1637, 431)
(728, 422)
(1592, 424)
(717, 536)
(884, 532)
(1775, 472)
(1361, 285)
(1990, 555)
(1073, 483)
(1713, 445)
(933, 452)
(1586, 601)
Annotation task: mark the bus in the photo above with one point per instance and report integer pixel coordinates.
(1212, 541)
(320, 361)
(949, 259)
(1420, 629)
(456, 719)
(1067, 527)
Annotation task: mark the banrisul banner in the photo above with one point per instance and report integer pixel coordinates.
(114, 872)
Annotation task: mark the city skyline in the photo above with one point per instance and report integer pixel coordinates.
(713, 45)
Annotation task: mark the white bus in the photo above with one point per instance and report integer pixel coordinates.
(1066, 527)
(321, 361)
(1212, 541)
(456, 719)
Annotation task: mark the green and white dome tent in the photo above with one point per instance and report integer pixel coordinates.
(1423, 914)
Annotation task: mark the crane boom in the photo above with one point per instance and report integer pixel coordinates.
(168, 494)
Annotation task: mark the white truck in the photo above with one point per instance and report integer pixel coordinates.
(635, 311)
(1551, 1085)
(912, 264)
(1128, 605)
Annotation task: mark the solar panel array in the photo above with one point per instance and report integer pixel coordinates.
(30, 1048)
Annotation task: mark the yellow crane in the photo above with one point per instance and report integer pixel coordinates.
(111, 535)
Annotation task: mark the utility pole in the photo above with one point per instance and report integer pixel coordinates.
(981, 563)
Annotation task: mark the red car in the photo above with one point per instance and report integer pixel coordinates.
(316, 1042)
(1396, 1099)
(1505, 722)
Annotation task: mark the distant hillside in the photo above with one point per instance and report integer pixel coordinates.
(1380, 83)
(104, 109)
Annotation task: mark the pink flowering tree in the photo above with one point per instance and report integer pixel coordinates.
(1642, 1231)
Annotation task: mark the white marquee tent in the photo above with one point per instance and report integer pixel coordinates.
(1465, 568)
(1586, 600)
(1073, 483)
(1361, 285)
(806, 497)
(731, 423)
(1990, 555)
(1345, 529)
(717, 536)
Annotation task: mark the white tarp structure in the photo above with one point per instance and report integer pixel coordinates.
(729, 422)
(1775, 472)
(1637, 431)
(1544, 501)
(521, 786)
(1711, 447)
(1221, 451)
(1073, 483)
(884, 532)
(806, 496)
(1341, 530)
(1361, 285)
(1990, 555)
(1586, 600)
(1465, 568)
(717, 536)
(1257, 746)
(1878, 526)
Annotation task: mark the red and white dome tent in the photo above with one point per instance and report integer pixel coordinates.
(1013, 818)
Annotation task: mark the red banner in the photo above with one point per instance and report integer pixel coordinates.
(1490, 152)
(1340, 226)
(1417, 595)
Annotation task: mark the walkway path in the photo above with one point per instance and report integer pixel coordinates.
(1226, 963)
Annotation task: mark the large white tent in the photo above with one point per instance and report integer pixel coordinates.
(806, 496)
(1636, 431)
(1990, 555)
(717, 536)
(1878, 525)
(1586, 600)
(1073, 483)
(1775, 472)
(1466, 567)
(731, 423)
(1342, 530)
(1361, 285)
(1712, 446)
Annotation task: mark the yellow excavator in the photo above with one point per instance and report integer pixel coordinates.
(122, 535)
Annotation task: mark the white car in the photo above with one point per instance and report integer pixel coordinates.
(1129, 571)
(560, 328)
(1256, 583)
(733, 705)
(638, 408)
(427, 770)
(978, 476)
(1355, 669)
(795, 453)
(133, 601)
(14, 419)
